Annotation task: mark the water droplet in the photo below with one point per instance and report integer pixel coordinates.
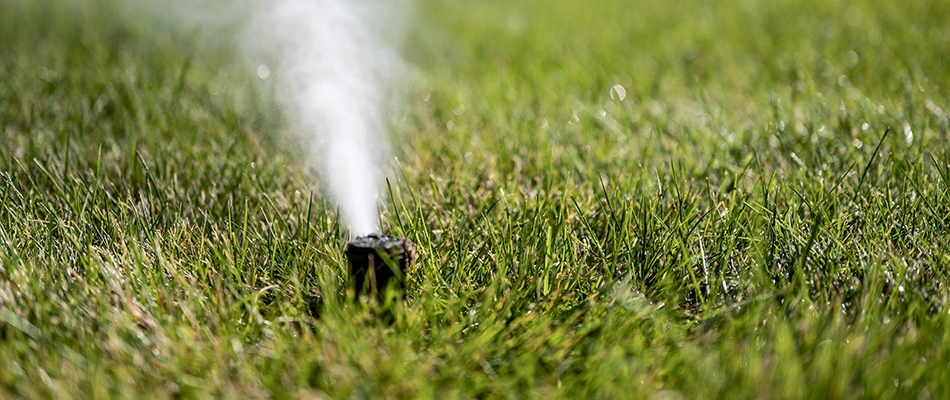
(263, 72)
(876, 37)
(48, 75)
(857, 143)
(618, 92)
(908, 133)
(865, 126)
(851, 59)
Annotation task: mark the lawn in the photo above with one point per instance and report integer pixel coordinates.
(611, 199)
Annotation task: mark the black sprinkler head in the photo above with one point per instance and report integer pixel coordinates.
(377, 261)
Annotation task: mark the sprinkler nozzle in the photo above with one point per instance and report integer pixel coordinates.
(377, 261)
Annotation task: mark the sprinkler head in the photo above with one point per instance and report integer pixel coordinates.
(377, 261)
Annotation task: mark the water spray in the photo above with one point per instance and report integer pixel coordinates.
(335, 67)
(333, 64)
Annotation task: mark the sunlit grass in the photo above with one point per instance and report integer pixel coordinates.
(613, 200)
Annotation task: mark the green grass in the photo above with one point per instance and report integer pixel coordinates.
(765, 213)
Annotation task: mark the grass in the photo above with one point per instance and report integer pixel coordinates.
(763, 213)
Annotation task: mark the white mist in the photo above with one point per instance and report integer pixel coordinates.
(334, 67)
(333, 63)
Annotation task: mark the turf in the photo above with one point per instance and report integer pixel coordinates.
(612, 200)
